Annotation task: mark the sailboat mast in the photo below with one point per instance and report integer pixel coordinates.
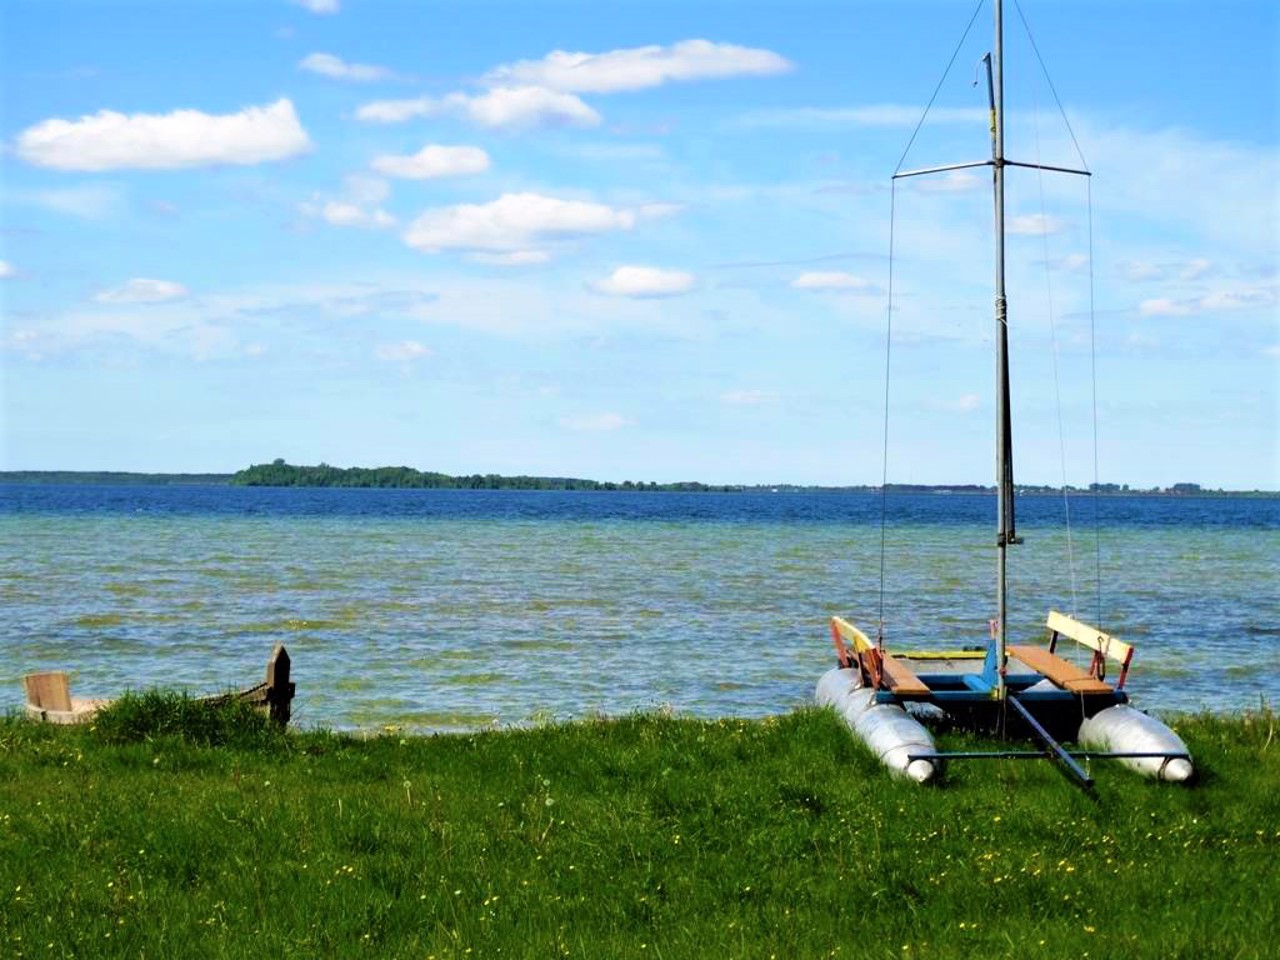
(1005, 535)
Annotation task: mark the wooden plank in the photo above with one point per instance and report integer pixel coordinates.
(48, 691)
(1064, 674)
(899, 678)
(1091, 637)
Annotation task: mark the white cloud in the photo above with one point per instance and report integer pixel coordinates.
(969, 403)
(631, 281)
(503, 107)
(142, 290)
(6, 270)
(1035, 225)
(1139, 271)
(513, 222)
(185, 138)
(1216, 302)
(319, 7)
(596, 422)
(403, 352)
(517, 258)
(748, 398)
(433, 161)
(1194, 269)
(366, 190)
(835, 280)
(359, 207)
(340, 213)
(1163, 307)
(639, 68)
(327, 65)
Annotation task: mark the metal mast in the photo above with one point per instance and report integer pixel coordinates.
(1005, 533)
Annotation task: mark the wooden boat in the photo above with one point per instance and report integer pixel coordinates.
(1019, 690)
(49, 694)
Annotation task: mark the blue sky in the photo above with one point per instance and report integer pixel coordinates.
(637, 241)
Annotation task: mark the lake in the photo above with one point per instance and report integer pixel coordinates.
(459, 609)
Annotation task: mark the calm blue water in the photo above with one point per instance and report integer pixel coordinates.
(461, 609)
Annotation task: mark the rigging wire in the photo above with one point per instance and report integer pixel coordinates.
(1049, 80)
(1093, 385)
(936, 90)
(888, 340)
(884, 456)
(1057, 379)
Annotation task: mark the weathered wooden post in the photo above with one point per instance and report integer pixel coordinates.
(279, 688)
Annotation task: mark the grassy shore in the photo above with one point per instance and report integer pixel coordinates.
(163, 834)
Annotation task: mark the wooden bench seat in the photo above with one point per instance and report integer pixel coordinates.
(1064, 674)
(900, 679)
(853, 647)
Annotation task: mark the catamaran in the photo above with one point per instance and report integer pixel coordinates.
(1025, 690)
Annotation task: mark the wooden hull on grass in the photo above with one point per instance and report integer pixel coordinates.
(49, 697)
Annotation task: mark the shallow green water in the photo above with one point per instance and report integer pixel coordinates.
(448, 623)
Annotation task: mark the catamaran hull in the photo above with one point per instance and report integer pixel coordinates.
(887, 730)
(1122, 729)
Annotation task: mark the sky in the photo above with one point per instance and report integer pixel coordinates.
(638, 240)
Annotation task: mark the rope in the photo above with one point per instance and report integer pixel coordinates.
(1093, 386)
(884, 455)
(955, 53)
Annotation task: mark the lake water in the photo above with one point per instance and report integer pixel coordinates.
(443, 609)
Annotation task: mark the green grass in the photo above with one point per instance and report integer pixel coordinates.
(647, 836)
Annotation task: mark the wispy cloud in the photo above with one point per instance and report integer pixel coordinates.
(517, 258)
(595, 422)
(335, 68)
(954, 181)
(339, 213)
(748, 398)
(433, 161)
(143, 290)
(87, 202)
(358, 207)
(639, 68)
(1222, 300)
(1035, 225)
(878, 115)
(319, 7)
(185, 138)
(514, 222)
(1142, 271)
(7, 270)
(645, 282)
(835, 280)
(405, 351)
(503, 107)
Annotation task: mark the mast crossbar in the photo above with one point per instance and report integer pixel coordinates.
(942, 169)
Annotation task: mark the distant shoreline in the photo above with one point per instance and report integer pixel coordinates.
(280, 474)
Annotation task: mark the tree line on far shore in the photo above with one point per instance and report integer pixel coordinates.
(281, 474)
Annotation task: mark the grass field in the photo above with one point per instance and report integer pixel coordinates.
(164, 833)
